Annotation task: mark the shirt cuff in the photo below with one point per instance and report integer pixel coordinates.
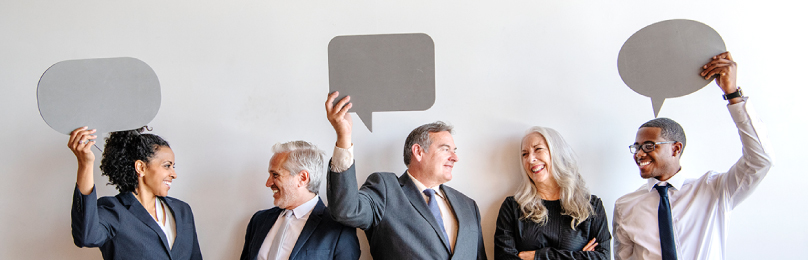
(739, 111)
(342, 159)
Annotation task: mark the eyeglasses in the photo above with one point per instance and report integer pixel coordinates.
(646, 147)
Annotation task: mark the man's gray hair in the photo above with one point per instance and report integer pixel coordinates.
(671, 130)
(420, 136)
(303, 155)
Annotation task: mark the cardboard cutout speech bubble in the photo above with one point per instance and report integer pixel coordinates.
(108, 95)
(663, 60)
(390, 72)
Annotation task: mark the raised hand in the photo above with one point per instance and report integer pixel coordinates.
(81, 141)
(725, 69)
(339, 118)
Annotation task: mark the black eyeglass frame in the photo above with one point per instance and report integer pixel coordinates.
(646, 147)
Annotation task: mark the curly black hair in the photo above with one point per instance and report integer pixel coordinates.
(122, 150)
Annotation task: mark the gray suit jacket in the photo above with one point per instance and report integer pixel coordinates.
(397, 220)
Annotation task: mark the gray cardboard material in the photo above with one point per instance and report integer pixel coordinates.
(390, 72)
(663, 60)
(111, 94)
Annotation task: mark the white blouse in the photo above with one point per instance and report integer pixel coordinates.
(169, 227)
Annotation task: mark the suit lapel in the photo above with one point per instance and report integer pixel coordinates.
(462, 215)
(264, 225)
(308, 229)
(137, 210)
(418, 202)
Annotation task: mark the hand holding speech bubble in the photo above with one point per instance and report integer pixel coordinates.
(111, 94)
(663, 60)
(388, 72)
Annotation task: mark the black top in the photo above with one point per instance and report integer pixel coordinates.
(554, 240)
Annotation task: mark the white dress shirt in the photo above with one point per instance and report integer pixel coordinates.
(342, 160)
(699, 207)
(296, 224)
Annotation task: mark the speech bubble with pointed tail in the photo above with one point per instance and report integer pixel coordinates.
(109, 94)
(663, 60)
(387, 72)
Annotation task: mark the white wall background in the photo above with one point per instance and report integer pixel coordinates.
(238, 76)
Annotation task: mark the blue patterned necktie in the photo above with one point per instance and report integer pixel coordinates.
(666, 241)
(433, 207)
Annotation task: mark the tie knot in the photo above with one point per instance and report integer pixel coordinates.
(662, 189)
(429, 192)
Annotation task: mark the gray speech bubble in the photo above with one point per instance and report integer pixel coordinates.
(663, 60)
(389, 72)
(111, 94)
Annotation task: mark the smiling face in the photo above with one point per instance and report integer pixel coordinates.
(286, 187)
(438, 161)
(536, 160)
(661, 163)
(158, 173)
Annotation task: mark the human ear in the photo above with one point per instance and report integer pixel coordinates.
(417, 152)
(303, 178)
(677, 149)
(140, 167)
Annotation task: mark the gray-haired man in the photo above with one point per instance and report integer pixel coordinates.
(300, 226)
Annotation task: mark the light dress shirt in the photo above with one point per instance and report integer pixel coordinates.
(169, 227)
(342, 160)
(699, 207)
(296, 224)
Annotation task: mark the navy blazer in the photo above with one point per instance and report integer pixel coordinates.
(122, 228)
(397, 220)
(321, 237)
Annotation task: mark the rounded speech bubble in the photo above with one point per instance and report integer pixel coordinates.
(111, 94)
(663, 60)
(389, 72)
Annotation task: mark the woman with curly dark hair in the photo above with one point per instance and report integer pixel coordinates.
(141, 222)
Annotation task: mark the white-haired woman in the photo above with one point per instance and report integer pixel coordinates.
(552, 215)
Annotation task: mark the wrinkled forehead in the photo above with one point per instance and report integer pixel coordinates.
(277, 161)
(443, 138)
(532, 139)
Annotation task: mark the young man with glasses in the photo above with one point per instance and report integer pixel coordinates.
(672, 217)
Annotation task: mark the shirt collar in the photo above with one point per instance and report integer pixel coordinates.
(676, 181)
(422, 187)
(306, 208)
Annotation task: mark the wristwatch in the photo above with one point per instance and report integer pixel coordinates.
(737, 93)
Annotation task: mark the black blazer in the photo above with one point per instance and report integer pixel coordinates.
(397, 220)
(321, 237)
(122, 228)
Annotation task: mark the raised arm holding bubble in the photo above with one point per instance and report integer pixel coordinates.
(141, 222)
(673, 217)
(414, 216)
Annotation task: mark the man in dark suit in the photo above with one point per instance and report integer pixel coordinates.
(413, 216)
(300, 226)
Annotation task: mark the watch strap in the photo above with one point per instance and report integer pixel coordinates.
(737, 93)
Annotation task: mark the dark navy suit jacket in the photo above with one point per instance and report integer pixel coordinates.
(122, 228)
(397, 220)
(321, 238)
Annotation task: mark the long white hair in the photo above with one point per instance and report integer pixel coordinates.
(574, 194)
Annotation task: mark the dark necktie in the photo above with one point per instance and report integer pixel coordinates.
(665, 224)
(433, 206)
